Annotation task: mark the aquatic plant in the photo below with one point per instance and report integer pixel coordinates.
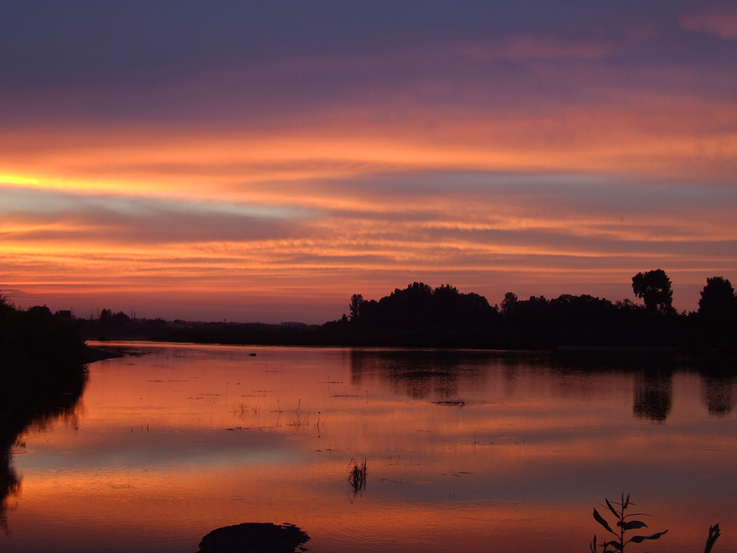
(243, 410)
(714, 533)
(625, 523)
(301, 422)
(357, 476)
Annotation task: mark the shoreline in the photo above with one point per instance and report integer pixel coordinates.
(95, 354)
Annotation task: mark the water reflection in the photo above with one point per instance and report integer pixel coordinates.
(464, 450)
(653, 394)
(9, 485)
(717, 391)
(18, 414)
(440, 375)
(419, 374)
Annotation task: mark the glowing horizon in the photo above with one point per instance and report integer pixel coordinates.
(270, 181)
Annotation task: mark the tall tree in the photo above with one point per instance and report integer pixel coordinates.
(654, 288)
(355, 307)
(510, 300)
(718, 303)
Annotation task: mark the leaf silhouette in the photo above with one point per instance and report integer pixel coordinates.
(603, 522)
(640, 539)
(616, 514)
(632, 525)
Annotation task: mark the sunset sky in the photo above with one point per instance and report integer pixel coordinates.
(262, 161)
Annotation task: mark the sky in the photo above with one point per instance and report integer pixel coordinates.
(263, 161)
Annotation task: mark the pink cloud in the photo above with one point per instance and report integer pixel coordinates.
(718, 19)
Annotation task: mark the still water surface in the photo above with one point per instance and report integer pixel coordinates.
(466, 451)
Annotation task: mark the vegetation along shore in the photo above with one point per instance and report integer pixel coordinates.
(444, 317)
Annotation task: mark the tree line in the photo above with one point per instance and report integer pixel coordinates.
(444, 317)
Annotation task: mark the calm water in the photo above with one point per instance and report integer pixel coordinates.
(472, 452)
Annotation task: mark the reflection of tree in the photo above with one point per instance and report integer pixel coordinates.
(9, 486)
(56, 397)
(419, 374)
(717, 393)
(653, 394)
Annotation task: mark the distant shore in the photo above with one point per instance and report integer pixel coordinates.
(419, 316)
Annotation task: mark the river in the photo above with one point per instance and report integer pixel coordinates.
(465, 451)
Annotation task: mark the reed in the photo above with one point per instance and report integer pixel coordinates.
(301, 421)
(357, 476)
(243, 410)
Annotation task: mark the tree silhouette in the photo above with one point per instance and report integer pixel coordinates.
(356, 302)
(654, 288)
(510, 300)
(718, 304)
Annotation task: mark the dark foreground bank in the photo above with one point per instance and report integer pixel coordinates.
(42, 377)
(39, 354)
(255, 537)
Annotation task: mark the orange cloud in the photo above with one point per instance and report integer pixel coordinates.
(445, 162)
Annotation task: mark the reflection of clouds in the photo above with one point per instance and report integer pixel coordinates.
(511, 457)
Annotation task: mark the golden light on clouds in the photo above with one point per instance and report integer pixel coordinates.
(539, 162)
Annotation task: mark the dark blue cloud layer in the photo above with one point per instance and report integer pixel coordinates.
(48, 42)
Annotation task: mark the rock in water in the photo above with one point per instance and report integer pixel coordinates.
(255, 537)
